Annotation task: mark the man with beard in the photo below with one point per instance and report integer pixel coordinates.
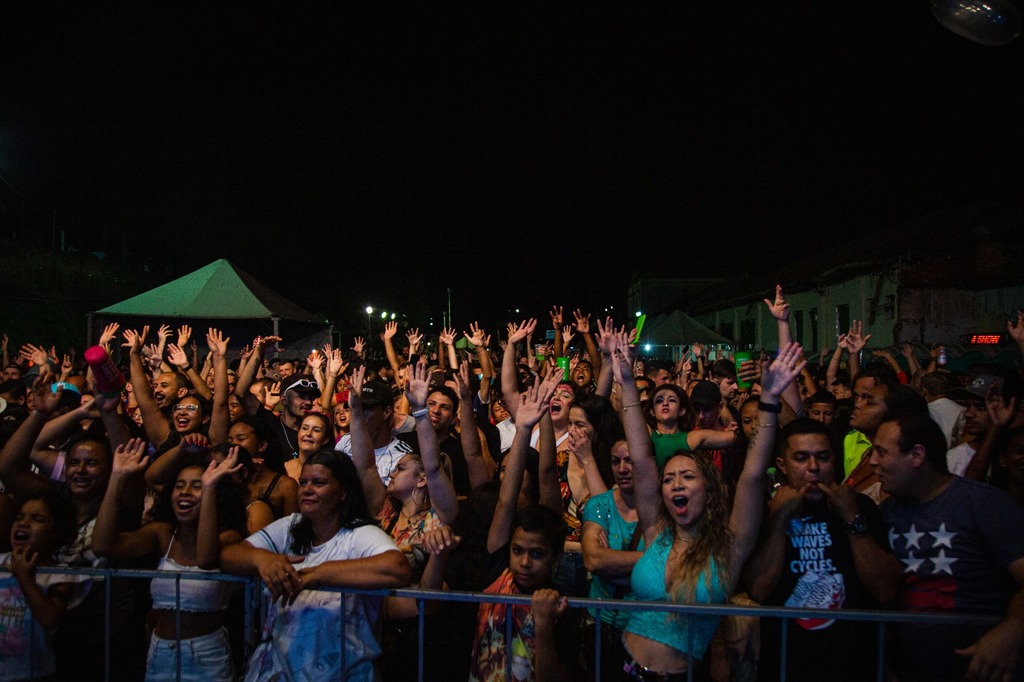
(156, 400)
(822, 547)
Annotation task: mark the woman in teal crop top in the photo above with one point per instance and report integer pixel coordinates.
(202, 512)
(693, 551)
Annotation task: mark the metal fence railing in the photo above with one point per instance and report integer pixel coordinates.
(256, 605)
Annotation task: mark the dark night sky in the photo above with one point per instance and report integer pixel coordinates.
(521, 156)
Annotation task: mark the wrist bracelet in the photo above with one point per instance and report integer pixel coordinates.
(768, 407)
(186, 367)
(631, 405)
(422, 412)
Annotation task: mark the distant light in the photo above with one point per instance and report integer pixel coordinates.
(369, 310)
(647, 347)
(392, 316)
(517, 310)
(383, 314)
(638, 313)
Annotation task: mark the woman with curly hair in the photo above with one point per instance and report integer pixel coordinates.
(695, 549)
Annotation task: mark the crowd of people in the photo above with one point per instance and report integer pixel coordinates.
(855, 479)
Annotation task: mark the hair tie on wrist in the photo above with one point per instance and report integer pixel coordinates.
(420, 413)
(768, 407)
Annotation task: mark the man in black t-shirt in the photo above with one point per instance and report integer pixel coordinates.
(823, 547)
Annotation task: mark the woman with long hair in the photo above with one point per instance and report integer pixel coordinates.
(675, 422)
(695, 549)
(330, 542)
(315, 432)
(201, 513)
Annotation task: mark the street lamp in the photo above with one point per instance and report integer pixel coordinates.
(369, 311)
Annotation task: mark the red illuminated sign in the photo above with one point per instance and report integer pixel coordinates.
(986, 339)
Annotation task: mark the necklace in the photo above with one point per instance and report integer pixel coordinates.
(287, 440)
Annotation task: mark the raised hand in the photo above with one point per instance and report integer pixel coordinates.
(163, 333)
(697, 349)
(465, 390)
(999, 412)
(535, 403)
(130, 458)
(65, 367)
(907, 350)
(274, 394)
(582, 321)
(336, 365)
(606, 336)
(518, 332)
(781, 372)
(567, 334)
(184, 334)
(35, 354)
(358, 345)
(417, 390)
(355, 389)
(108, 335)
(855, 340)
(475, 335)
(556, 317)
(447, 336)
(134, 340)
(415, 338)
(779, 308)
(217, 471)
(216, 342)
(177, 356)
(390, 329)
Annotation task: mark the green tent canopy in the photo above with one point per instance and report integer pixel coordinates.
(224, 295)
(221, 290)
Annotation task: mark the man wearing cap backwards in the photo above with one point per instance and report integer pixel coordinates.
(378, 408)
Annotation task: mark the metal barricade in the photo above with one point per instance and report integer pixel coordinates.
(255, 603)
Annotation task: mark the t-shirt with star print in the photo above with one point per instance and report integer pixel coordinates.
(955, 551)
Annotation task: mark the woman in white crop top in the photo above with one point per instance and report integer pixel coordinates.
(201, 513)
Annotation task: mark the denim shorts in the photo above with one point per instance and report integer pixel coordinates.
(203, 659)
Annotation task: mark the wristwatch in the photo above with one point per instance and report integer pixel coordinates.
(858, 525)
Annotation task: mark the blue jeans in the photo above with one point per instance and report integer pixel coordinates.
(203, 659)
